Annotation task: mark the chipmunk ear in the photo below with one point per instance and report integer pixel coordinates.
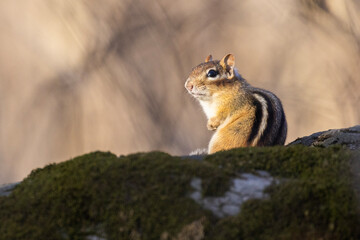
(208, 58)
(228, 63)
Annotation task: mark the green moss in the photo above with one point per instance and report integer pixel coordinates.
(146, 196)
(315, 201)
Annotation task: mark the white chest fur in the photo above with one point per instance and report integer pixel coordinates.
(209, 108)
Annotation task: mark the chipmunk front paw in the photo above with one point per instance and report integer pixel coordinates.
(213, 124)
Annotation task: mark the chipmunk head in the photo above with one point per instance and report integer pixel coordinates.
(211, 77)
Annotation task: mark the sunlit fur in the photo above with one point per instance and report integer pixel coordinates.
(240, 114)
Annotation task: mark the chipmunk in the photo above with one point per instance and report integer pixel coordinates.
(240, 115)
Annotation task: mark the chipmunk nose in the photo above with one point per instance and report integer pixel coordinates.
(188, 85)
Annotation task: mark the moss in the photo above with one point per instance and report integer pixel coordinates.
(314, 202)
(145, 196)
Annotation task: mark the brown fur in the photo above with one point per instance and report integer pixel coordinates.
(235, 110)
(234, 134)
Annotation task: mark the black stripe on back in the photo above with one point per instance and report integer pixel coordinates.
(257, 121)
(281, 129)
(265, 138)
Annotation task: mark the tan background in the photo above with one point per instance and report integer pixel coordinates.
(86, 75)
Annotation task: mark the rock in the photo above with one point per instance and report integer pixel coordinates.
(293, 192)
(349, 137)
(246, 186)
(6, 189)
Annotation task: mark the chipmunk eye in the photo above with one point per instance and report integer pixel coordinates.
(212, 73)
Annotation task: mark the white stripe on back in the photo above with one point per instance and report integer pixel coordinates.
(264, 118)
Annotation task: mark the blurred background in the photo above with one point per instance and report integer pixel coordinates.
(86, 75)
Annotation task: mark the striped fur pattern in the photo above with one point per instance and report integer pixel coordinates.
(269, 127)
(240, 115)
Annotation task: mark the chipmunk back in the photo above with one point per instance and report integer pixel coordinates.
(240, 115)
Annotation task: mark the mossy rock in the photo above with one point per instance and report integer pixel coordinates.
(147, 196)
